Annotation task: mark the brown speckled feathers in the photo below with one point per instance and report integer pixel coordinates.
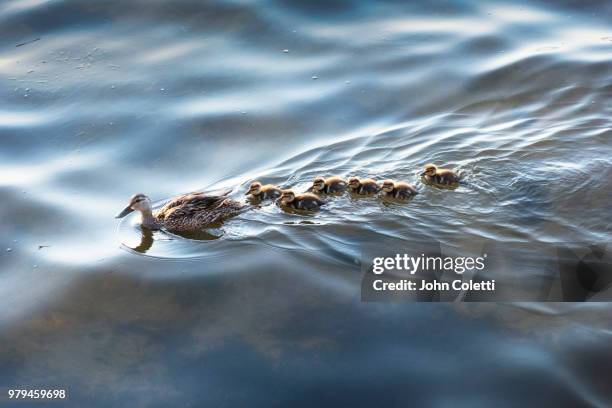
(196, 210)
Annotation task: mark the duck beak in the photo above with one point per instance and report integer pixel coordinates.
(248, 192)
(125, 212)
(423, 173)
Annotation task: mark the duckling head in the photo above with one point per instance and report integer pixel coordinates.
(354, 182)
(138, 202)
(287, 197)
(254, 188)
(318, 184)
(429, 170)
(388, 186)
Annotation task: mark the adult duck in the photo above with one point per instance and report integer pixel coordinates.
(185, 213)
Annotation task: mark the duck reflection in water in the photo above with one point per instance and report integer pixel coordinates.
(146, 241)
(147, 238)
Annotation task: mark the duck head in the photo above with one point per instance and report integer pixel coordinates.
(354, 182)
(254, 188)
(287, 197)
(388, 186)
(138, 202)
(318, 184)
(429, 170)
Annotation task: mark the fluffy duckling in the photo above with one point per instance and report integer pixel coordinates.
(305, 201)
(264, 192)
(398, 190)
(434, 175)
(329, 185)
(363, 186)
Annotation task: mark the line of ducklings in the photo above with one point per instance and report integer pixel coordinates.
(194, 211)
(311, 200)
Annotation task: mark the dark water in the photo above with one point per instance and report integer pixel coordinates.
(100, 100)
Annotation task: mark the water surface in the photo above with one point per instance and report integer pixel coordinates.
(105, 99)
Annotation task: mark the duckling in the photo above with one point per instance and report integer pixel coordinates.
(434, 175)
(362, 186)
(189, 212)
(398, 190)
(264, 192)
(305, 201)
(330, 185)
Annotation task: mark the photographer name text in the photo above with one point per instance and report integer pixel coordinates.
(457, 284)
